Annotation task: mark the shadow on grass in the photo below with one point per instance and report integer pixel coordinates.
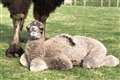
(6, 33)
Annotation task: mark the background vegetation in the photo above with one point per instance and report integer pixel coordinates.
(98, 3)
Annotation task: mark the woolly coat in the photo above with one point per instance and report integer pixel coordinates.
(74, 50)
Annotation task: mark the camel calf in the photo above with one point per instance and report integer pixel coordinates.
(63, 51)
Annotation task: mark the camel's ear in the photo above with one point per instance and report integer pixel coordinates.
(27, 28)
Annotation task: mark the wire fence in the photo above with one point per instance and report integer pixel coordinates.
(97, 3)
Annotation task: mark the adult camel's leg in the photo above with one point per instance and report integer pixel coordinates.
(14, 46)
(43, 8)
(40, 16)
(18, 10)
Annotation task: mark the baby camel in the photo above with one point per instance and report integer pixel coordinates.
(63, 51)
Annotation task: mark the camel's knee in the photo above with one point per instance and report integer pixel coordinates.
(64, 64)
(111, 61)
(23, 60)
(60, 62)
(38, 64)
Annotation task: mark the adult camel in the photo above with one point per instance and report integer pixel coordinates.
(18, 11)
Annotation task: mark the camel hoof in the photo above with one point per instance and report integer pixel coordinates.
(14, 51)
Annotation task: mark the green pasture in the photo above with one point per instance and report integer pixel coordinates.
(100, 23)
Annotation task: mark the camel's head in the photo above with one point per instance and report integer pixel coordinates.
(35, 30)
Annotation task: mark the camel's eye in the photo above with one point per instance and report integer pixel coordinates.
(41, 32)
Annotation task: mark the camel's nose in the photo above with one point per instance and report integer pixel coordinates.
(33, 34)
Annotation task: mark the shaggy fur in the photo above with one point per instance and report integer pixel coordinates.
(18, 11)
(58, 53)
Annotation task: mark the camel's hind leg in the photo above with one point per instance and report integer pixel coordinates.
(95, 58)
(98, 58)
(111, 61)
(93, 62)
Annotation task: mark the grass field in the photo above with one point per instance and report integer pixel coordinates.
(100, 23)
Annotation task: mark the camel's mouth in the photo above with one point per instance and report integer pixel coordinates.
(35, 34)
(34, 38)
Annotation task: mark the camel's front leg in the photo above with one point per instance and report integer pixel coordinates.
(23, 60)
(14, 47)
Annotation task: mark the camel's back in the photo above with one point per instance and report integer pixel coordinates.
(56, 45)
(91, 44)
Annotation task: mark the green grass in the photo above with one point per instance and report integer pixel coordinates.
(100, 23)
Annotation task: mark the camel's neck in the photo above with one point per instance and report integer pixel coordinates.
(36, 48)
(37, 41)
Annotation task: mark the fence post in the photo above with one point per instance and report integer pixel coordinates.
(101, 3)
(74, 2)
(109, 3)
(84, 2)
(118, 1)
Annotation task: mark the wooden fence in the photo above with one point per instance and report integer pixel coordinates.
(100, 3)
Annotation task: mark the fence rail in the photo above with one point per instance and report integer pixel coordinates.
(100, 3)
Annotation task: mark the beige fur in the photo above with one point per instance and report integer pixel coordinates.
(58, 53)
